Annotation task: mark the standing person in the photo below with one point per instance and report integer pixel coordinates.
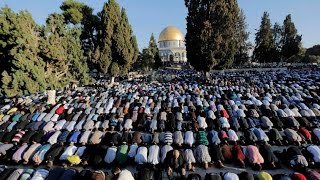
(175, 162)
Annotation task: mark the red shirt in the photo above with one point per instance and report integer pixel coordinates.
(60, 110)
(224, 113)
(305, 133)
(238, 152)
(298, 176)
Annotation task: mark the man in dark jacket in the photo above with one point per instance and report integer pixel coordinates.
(175, 161)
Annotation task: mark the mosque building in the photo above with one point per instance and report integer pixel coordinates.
(172, 45)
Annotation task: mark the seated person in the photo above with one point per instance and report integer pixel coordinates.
(175, 161)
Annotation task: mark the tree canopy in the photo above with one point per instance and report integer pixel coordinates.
(35, 58)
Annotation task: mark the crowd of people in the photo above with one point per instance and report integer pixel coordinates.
(239, 118)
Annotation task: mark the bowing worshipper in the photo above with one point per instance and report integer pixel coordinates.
(142, 155)
(38, 157)
(190, 159)
(232, 136)
(52, 155)
(260, 134)
(275, 137)
(226, 152)
(110, 155)
(132, 152)
(96, 137)
(40, 174)
(16, 174)
(54, 137)
(154, 155)
(17, 156)
(316, 132)
(49, 126)
(175, 161)
(85, 137)
(122, 174)
(264, 176)
(26, 174)
(254, 157)
(213, 137)
(266, 123)
(32, 149)
(306, 134)
(164, 150)
(68, 151)
(292, 136)
(74, 136)
(270, 159)
(201, 138)
(313, 175)
(178, 138)
(230, 176)
(314, 151)
(238, 155)
(63, 136)
(189, 138)
(296, 159)
(122, 154)
(202, 155)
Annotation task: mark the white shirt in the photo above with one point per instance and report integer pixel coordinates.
(164, 150)
(230, 176)
(154, 152)
(68, 152)
(125, 175)
(232, 135)
(189, 138)
(59, 125)
(142, 155)
(53, 138)
(85, 136)
(71, 125)
(315, 151)
(202, 122)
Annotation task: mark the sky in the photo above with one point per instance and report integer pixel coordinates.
(152, 16)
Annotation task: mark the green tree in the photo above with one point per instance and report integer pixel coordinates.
(290, 39)
(265, 45)
(211, 33)
(110, 17)
(277, 35)
(81, 15)
(124, 52)
(153, 49)
(117, 42)
(61, 50)
(20, 49)
(312, 55)
(242, 36)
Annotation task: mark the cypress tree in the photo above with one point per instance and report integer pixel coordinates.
(265, 45)
(211, 33)
(290, 39)
(153, 48)
(110, 17)
(277, 35)
(242, 36)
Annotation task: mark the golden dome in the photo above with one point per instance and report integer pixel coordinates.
(171, 33)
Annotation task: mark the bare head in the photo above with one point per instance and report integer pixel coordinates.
(176, 154)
